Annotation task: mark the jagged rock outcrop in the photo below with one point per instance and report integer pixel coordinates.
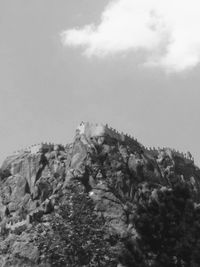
(112, 170)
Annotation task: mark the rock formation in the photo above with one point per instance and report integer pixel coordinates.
(75, 205)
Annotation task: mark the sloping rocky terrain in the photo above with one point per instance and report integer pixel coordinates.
(103, 200)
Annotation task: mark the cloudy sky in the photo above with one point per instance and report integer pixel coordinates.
(134, 64)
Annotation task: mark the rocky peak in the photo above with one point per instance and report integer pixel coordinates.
(109, 168)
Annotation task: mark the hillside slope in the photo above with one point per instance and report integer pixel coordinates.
(103, 200)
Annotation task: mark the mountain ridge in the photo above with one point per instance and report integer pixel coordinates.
(111, 175)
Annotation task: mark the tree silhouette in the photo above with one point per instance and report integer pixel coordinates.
(77, 234)
(168, 228)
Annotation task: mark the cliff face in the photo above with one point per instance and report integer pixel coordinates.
(52, 191)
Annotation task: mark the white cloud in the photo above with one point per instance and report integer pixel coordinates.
(166, 30)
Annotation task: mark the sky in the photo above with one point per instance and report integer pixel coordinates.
(133, 64)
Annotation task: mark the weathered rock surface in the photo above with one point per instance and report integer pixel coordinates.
(110, 168)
